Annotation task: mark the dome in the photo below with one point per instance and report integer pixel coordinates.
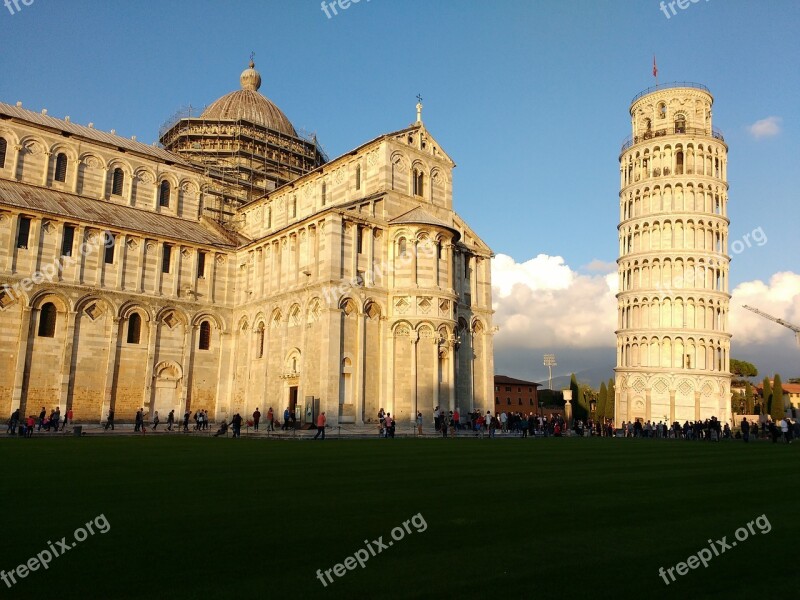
(249, 105)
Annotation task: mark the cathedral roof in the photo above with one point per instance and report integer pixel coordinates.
(418, 216)
(125, 218)
(248, 104)
(89, 133)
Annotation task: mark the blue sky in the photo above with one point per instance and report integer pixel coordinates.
(529, 98)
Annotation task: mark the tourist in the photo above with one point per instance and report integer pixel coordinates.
(443, 425)
(170, 420)
(256, 419)
(42, 417)
(30, 424)
(503, 422)
(141, 420)
(437, 422)
(456, 420)
(137, 421)
(419, 423)
(388, 424)
(156, 421)
(270, 420)
(236, 422)
(109, 420)
(186, 416)
(745, 430)
(12, 422)
(223, 429)
(321, 425)
(285, 419)
(205, 419)
(787, 436)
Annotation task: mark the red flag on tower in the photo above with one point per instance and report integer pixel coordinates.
(655, 68)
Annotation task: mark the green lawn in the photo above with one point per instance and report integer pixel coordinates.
(256, 518)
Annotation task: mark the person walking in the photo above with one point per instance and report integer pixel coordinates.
(745, 430)
(270, 420)
(388, 424)
(285, 425)
(443, 425)
(256, 419)
(137, 421)
(109, 420)
(186, 416)
(30, 423)
(419, 423)
(321, 420)
(156, 420)
(237, 425)
(12, 423)
(456, 421)
(787, 436)
(67, 419)
(42, 416)
(170, 420)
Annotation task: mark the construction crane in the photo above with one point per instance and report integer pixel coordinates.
(794, 328)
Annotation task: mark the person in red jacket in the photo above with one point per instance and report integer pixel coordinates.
(321, 425)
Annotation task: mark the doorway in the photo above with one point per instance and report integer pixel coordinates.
(293, 401)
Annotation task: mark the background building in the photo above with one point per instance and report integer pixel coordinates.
(672, 340)
(236, 267)
(515, 395)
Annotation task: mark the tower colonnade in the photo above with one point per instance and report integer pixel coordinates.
(673, 345)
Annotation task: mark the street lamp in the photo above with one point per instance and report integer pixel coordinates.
(550, 362)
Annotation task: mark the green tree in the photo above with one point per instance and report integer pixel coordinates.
(776, 408)
(602, 401)
(749, 399)
(612, 399)
(742, 368)
(578, 403)
(766, 396)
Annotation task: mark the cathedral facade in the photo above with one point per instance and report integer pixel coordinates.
(235, 266)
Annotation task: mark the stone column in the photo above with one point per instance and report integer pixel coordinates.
(12, 242)
(79, 254)
(211, 274)
(17, 157)
(697, 406)
(152, 335)
(46, 170)
(77, 178)
(370, 272)
(450, 260)
(451, 375)
(22, 353)
(187, 349)
(672, 406)
(648, 407)
(104, 189)
(414, 274)
(66, 360)
(359, 375)
(122, 243)
(111, 366)
(414, 375)
(140, 266)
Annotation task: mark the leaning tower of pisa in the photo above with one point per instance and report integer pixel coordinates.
(672, 339)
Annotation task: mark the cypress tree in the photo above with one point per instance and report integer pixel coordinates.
(602, 401)
(749, 400)
(766, 396)
(578, 408)
(777, 410)
(612, 400)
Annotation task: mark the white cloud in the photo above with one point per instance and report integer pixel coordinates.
(543, 303)
(779, 298)
(769, 127)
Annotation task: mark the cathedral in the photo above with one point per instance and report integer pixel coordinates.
(233, 266)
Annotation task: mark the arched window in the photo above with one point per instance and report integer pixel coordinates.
(134, 328)
(680, 124)
(260, 341)
(358, 177)
(205, 336)
(61, 167)
(117, 182)
(402, 247)
(679, 163)
(419, 179)
(163, 194)
(3, 148)
(47, 320)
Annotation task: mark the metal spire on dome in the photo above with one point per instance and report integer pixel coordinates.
(419, 108)
(250, 79)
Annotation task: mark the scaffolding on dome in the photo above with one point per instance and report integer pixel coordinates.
(241, 160)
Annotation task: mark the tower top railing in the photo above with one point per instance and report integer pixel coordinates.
(667, 86)
(673, 130)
